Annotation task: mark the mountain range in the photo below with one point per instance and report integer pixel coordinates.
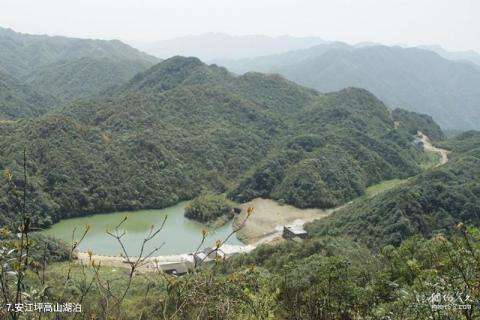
(211, 46)
(222, 46)
(466, 56)
(61, 69)
(183, 127)
(409, 78)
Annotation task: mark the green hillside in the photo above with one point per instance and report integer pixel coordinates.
(84, 77)
(183, 127)
(20, 100)
(69, 68)
(340, 146)
(430, 203)
(413, 122)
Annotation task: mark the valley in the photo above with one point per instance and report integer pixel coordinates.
(264, 226)
(334, 181)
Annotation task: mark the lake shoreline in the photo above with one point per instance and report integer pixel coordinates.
(179, 234)
(151, 264)
(263, 226)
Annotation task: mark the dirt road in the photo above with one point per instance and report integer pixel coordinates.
(429, 147)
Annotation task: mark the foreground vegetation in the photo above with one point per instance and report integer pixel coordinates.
(321, 278)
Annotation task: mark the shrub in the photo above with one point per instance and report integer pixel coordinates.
(209, 207)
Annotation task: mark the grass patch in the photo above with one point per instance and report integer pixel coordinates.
(429, 160)
(382, 186)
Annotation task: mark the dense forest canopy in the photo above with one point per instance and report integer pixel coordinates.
(21, 100)
(414, 122)
(427, 204)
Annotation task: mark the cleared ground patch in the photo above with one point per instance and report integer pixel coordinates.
(382, 186)
(269, 217)
(430, 159)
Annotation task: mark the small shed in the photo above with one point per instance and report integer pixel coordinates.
(206, 255)
(294, 232)
(176, 268)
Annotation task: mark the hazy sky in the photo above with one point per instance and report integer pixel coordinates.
(454, 24)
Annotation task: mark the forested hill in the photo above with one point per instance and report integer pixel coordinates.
(413, 122)
(20, 100)
(69, 68)
(409, 78)
(430, 203)
(182, 127)
(83, 77)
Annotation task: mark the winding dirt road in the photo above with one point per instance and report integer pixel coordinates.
(429, 147)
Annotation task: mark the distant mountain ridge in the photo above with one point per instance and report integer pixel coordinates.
(69, 68)
(270, 63)
(466, 56)
(409, 78)
(211, 46)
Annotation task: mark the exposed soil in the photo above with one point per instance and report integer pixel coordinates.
(268, 218)
(429, 147)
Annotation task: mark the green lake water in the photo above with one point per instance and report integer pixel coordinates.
(179, 234)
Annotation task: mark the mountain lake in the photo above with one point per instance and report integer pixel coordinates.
(179, 234)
